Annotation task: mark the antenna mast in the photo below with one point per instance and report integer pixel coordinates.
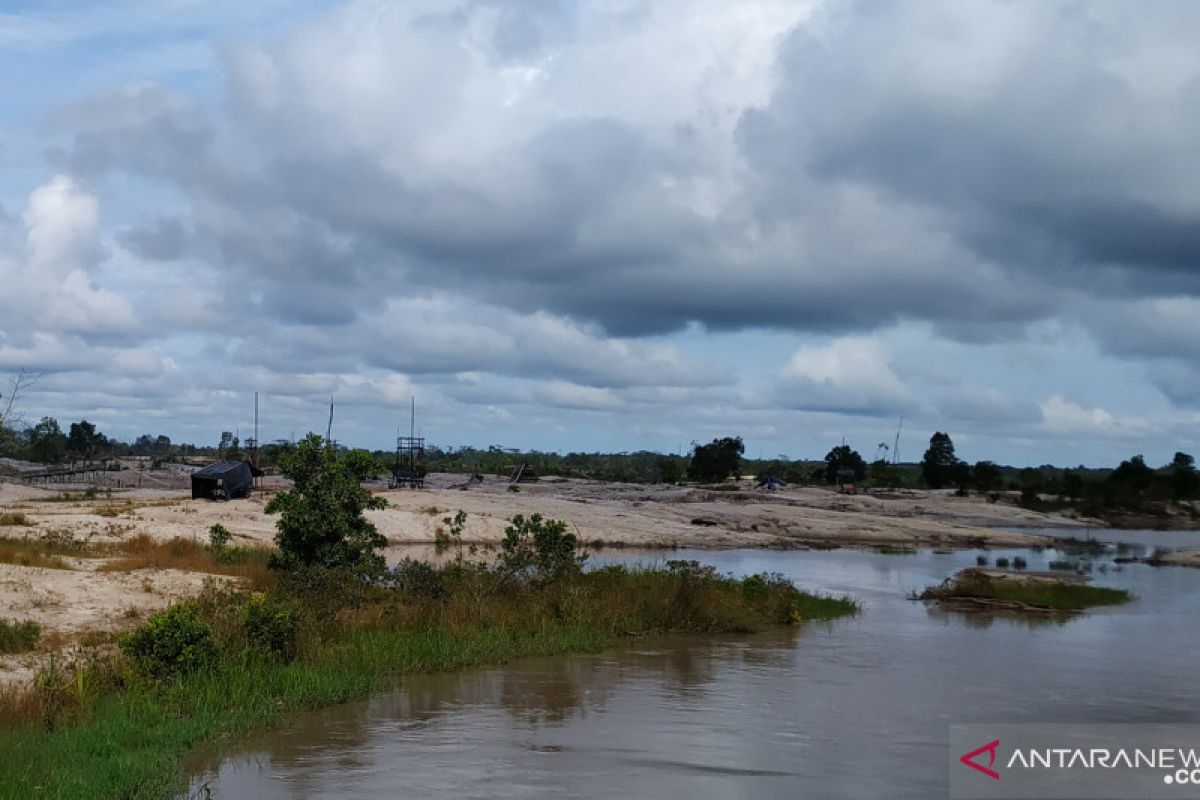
(329, 428)
(896, 446)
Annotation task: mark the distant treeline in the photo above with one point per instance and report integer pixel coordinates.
(1128, 485)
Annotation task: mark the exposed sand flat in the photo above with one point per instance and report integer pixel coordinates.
(67, 602)
(616, 514)
(1184, 558)
(83, 599)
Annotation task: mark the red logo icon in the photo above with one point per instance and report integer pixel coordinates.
(990, 749)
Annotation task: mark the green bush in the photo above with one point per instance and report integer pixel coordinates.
(271, 626)
(541, 547)
(321, 520)
(171, 643)
(218, 537)
(17, 637)
(419, 578)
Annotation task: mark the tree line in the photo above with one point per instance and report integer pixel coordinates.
(1130, 484)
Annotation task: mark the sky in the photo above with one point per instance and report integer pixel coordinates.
(609, 225)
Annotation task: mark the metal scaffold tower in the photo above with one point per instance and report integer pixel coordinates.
(409, 470)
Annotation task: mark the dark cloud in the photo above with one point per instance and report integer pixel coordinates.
(162, 239)
(1050, 139)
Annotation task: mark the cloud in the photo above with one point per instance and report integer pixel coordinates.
(162, 239)
(1061, 416)
(986, 406)
(852, 375)
(618, 212)
(48, 284)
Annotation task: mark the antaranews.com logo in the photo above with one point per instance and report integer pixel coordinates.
(1093, 762)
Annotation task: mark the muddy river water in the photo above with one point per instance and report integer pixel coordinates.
(859, 708)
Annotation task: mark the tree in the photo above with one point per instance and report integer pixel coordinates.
(716, 461)
(962, 476)
(669, 470)
(47, 443)
(1185, 483)
(937, 466)
(842, 457)
(11, 418)
(1031, 481)
(987, 476)
(1130, 480)
(82, 439)
(1072, 485)
(883, 475)
(321, 522)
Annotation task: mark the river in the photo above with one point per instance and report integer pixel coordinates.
(858, 708)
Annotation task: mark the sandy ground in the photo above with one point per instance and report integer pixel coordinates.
(69, 601)
(1184, 558)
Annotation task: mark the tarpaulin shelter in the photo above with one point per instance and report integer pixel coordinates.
(224, 480)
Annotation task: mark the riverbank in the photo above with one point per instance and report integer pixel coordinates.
(82, 590)
(119, 724)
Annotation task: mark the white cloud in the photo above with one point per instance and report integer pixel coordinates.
(852, 374)
(1064, 417)
(48, 287)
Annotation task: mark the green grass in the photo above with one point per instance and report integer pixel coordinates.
(17, 637)
(1047, 595)
(103, 729)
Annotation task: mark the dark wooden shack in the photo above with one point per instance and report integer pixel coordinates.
(224, 480)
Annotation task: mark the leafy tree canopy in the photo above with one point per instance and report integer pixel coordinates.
(842, 457)
(717, 460)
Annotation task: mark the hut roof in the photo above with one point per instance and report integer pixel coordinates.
(219, 469)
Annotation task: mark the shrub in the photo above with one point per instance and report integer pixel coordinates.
(271, 626)
(321, 521)
(171, 643)
(1019, 563)
(981, 561)
(218, 537)
(419, 578)
(754, 588)
(1002, 562)
(540, 546)
(17, 637)
(14, 518)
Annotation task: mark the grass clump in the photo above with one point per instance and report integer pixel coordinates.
(144, 551)
(30, 552)
(978, 589)
(14, 518)
(17, 637)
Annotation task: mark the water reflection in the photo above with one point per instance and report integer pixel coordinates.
(793, 713)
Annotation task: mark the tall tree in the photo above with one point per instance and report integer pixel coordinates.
(939, 461)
